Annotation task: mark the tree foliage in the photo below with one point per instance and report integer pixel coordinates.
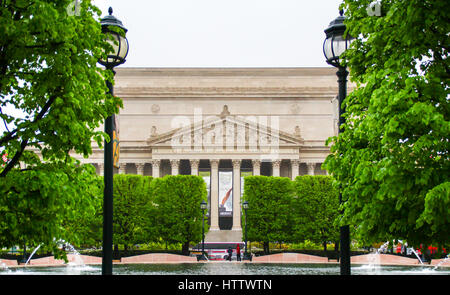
(391, 158)
(269, 217)
(52, 99)
(315, 209)
(131, 196)
(178, 214)
(35, 206)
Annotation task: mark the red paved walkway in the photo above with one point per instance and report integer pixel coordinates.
(382, 259)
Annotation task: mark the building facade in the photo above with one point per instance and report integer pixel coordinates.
(224, 124)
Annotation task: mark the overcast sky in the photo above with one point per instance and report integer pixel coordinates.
(224, 33)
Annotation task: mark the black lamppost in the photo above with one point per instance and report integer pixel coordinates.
(203, 206)
(334, 45)
(113, 58)
(247, 256)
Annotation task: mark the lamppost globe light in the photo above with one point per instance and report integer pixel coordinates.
(118, 42)
(110, 27)
(203, 205)
(245, 205)
(334, 46)
(335, 43)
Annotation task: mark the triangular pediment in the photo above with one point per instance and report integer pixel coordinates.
(250, 132)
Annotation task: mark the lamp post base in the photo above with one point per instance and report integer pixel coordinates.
(247, 256)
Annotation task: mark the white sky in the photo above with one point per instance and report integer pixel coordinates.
(224, 33)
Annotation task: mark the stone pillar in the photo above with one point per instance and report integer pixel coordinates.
(214, 213)
(295, 164)
(175, 164)
(155, 167)
(101, 169)
(256, 167)
(122, 167)
(276, 168)
(140, 168)
(311, 167)
(194, 166)
(236, 195)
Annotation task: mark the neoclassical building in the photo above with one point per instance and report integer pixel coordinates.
(224, 124)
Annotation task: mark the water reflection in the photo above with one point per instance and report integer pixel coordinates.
(226, 269)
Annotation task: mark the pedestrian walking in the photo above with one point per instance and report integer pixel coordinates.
(230, 253)
(238, 253)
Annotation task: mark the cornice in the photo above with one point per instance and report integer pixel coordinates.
(307, 92)
(205, 72)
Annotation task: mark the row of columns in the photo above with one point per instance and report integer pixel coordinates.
(214, 164)
(295, 164)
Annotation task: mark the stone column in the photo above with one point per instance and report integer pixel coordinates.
(276, 168)
(155, 167)
(256, 167)
(214, 213)
(295, 164)
(101, 169)
(194, 166)
(122, 167)
(236, 195)
(175, 164)
(310, 167)
(140, 168)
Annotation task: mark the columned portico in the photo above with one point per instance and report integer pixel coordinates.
(155, 167)
(140, 168)
(194, 166)
(295, 164)
(311, 167)
(276, 167)
(214, 213)
(175, 164)
(256, 167)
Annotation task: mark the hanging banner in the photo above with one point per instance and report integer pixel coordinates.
(116, 142)
(225, 193)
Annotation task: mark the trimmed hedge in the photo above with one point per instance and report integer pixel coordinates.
(178, 217)
(282, 210)
(316, 208)
(268, 218)
(131, 195)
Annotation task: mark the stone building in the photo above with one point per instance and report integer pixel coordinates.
(223, 124)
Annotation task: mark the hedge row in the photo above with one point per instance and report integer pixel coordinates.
(282, 210)
(147, 210)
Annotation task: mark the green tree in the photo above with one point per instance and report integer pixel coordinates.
(131, 196)
(87, 224)
(49, 73)
(35, 205)
(315, 210)
(391, 159)
(179, 217)
(269, 218)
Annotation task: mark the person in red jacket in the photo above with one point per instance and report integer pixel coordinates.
(238, 253)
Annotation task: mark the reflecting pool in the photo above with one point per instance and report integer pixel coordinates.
(227, 269)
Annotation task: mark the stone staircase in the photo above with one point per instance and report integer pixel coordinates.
(223, 236)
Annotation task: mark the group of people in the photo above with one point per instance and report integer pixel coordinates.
(238, 253)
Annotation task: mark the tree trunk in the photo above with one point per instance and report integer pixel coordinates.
(185, 249)
(116, 253)
(266, 248)
(325, 247)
